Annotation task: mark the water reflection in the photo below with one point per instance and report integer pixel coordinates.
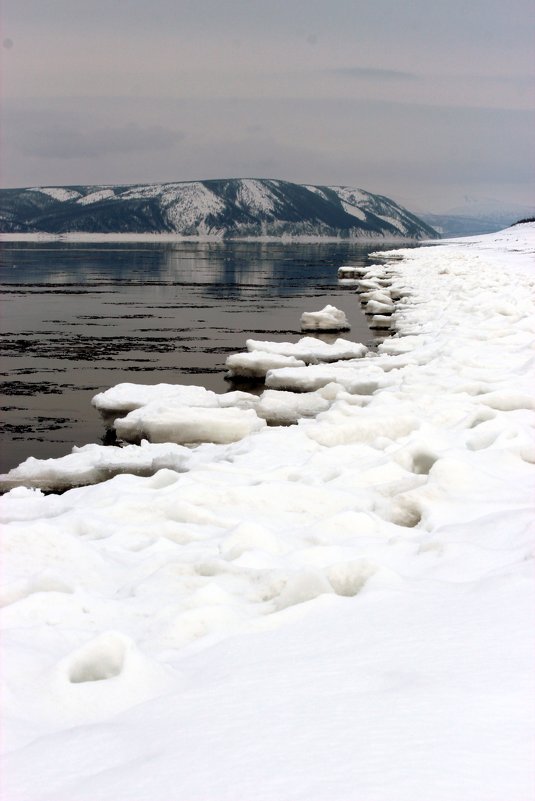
(78, 318)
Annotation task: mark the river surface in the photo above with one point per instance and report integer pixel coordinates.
(78, 318)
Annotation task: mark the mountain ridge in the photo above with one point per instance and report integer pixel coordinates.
(220, 208)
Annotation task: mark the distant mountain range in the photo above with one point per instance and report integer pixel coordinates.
(477, 216)
(225, 208)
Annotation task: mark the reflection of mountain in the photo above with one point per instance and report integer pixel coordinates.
(220, 208)
(268, 268)
(213, 269)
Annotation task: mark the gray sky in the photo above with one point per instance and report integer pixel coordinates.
(425, 102)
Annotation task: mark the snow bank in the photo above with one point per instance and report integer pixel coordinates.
(341, 609)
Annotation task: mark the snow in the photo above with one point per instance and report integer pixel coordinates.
(58, 193)
(255, 197)
(338, 609)
(185, 204)
(96, 197)
(353, 211)
(395, 222)
(327, 319)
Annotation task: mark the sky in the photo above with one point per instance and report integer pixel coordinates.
(428, 103)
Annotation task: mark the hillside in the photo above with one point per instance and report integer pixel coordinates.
(224, 208)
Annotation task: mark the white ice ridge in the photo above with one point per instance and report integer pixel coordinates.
(327, 319)
(351, 597)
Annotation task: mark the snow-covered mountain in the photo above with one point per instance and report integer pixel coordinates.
(225, 208)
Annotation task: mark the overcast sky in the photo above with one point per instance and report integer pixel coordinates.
(423, 101)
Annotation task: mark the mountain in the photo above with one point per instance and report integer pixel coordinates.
(225, 208)
(477, 216)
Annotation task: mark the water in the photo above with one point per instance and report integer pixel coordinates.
(79, 318)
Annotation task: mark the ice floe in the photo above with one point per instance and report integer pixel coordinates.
(261, 357)
(351, 597)
(255, 364)
(311, 350)
(327, 319)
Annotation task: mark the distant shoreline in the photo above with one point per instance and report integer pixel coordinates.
(116, 237)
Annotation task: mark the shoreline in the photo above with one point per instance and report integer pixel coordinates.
(178, 238)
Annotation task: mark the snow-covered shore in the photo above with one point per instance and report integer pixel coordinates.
(339, 610)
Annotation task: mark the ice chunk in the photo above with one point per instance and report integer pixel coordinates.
(126, 397)
(348, 271)
(284, 408)
(377, 307)
(396, 345)
(91, 464)
(311, 350)
(255, 364)
(344, 423)
(327, 319)
(364, 379)
(380, 321)
(181, 424)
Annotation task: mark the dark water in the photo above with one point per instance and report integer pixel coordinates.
(79, 318)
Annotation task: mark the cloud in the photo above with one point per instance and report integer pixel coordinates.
(374, 74)
(68, 143)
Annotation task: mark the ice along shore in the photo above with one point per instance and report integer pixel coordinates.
(339, 609)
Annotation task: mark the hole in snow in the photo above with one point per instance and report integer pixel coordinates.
(348, 578)
(482, 416)
(422, 462)
(100, 659)
(302, 587)
(405, 513)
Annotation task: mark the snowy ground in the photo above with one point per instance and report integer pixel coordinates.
(339, 610)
